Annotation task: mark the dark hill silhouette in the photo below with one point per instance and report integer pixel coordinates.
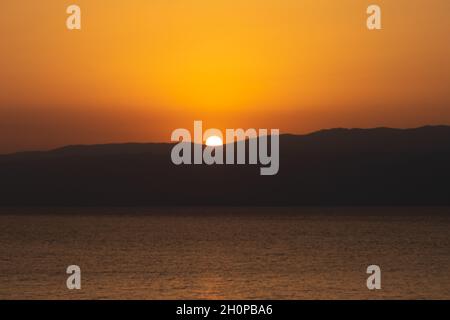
(379, 166)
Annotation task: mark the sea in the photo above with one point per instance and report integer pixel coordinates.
(225, 252)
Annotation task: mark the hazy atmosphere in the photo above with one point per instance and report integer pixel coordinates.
(139, 69)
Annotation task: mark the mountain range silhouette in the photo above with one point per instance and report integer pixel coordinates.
(336, 167)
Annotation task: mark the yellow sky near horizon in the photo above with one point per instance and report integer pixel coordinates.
(139, 69)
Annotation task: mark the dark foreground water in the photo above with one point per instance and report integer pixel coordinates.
(231, 253)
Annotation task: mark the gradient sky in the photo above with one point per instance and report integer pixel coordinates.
(139, 69)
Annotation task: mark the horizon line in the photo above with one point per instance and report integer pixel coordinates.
(170, 143)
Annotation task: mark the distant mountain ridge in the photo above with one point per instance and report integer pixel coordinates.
(380, 166)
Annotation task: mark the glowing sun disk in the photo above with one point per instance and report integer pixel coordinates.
(214, 141)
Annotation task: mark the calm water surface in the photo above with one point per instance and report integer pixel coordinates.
(231, 253)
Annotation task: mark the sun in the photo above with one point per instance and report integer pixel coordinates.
(214, 141)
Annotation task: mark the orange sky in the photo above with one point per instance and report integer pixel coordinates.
(139, 69)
